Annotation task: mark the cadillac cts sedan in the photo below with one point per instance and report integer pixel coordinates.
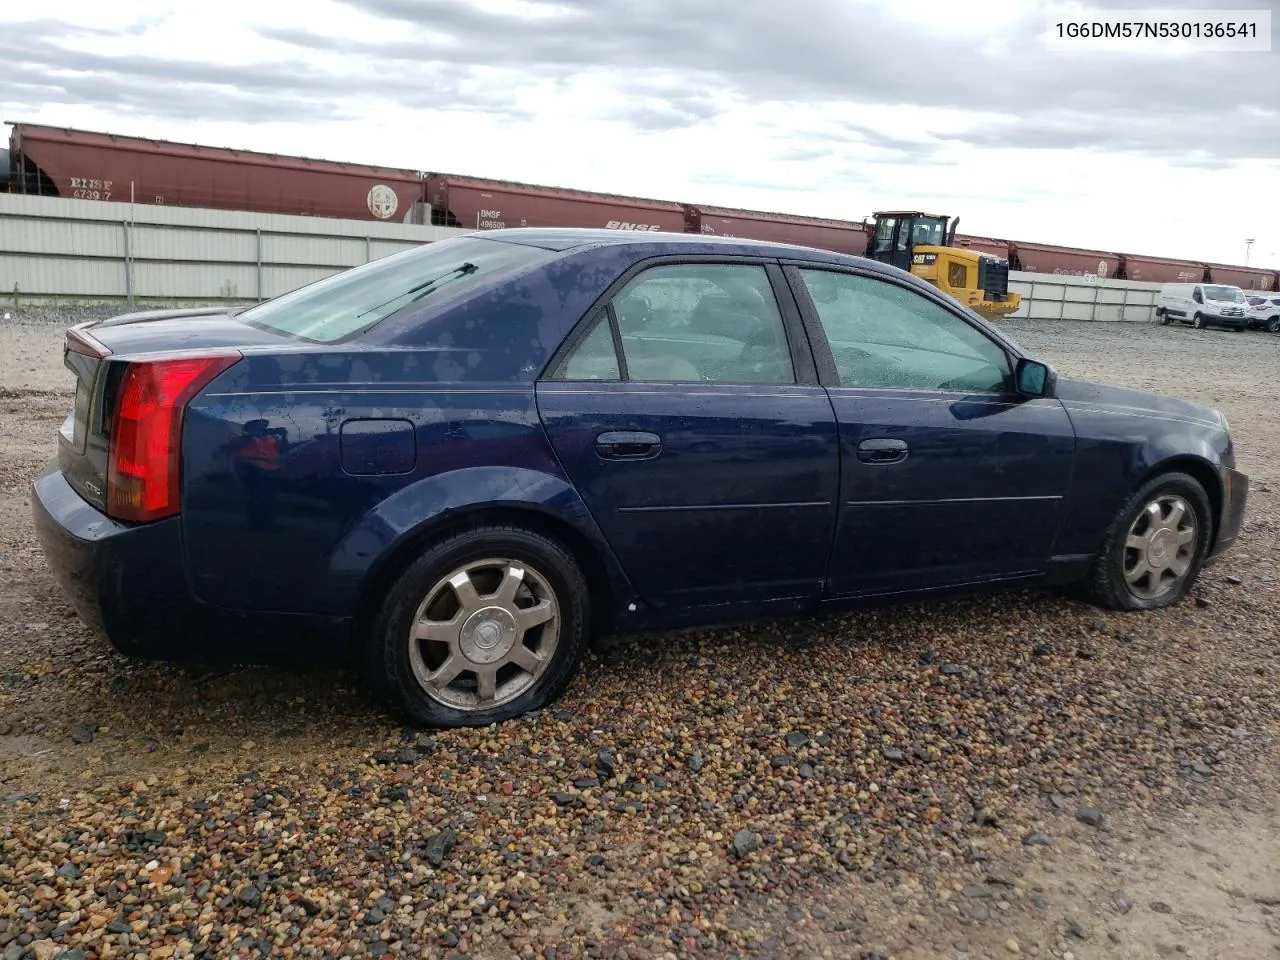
(460, 463)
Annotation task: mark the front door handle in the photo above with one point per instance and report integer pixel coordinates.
(882, 451)
(628, 445)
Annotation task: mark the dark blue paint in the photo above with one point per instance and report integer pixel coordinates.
(977, 496)
(1125, 436)
(124, 583)
(374, 446)
(746, 484)
(716, 502)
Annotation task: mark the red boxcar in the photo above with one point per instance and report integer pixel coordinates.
(987, 245)
(1069, 261)
(99, 166)
(1162, 270)
(493, 204)
(1246, 278)
(842, 236)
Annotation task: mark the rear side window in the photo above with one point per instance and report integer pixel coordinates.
(688, 323)
(354, 300)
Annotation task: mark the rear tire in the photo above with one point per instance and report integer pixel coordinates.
(481, 628)
(1273, 325)
(1155, 547)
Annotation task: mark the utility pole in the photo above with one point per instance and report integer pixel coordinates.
(1248, 245)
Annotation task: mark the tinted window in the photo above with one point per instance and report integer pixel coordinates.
(356, 299)
(704, 323)
(883, 335)
(594, 358)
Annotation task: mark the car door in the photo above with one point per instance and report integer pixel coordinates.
(687, 413)
(948, 475)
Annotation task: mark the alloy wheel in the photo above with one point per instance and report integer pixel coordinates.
(484, 634)
(1160, 547)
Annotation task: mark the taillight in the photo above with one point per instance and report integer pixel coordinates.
(144, 466)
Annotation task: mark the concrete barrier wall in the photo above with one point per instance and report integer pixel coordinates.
(53, 248)
(58, 249)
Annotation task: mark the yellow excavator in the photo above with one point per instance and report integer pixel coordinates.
(922, 244)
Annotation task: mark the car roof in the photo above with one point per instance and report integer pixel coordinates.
(564, 239)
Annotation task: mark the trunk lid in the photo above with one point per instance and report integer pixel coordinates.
(97, 353)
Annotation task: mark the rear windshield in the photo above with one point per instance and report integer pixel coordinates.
(354, 300)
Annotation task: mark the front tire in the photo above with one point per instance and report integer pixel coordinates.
(1156, 546)
(1198, 322)
(484, 626)
(1273, 325)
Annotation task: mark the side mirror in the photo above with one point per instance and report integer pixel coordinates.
(1034, 379)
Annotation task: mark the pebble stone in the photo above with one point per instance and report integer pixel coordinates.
(676, 801)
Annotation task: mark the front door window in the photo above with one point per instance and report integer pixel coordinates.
(884, 335)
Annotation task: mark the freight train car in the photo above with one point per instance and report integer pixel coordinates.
(1246, 278)
(842, 236)
(471, 203)
(1161, 270)
(1069, 261)
(97, 166)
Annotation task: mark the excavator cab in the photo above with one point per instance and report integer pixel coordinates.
(924, 244)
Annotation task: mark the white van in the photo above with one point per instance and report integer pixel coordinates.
(1203, 305)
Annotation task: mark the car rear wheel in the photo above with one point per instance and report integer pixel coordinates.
(483, 627)
(1273, 325)
(1156, 545)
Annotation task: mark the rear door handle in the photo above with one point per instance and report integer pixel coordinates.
(628, 445)
(882, 451)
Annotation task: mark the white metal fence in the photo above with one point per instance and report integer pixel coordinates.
(53, 248)
(1051, 296)
(56, 248)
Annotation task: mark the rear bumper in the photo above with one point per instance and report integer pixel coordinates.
(1235, 496)
(129, 584)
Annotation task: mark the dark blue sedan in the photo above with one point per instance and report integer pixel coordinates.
(461, 462)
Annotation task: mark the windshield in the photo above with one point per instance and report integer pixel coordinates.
(928, 233)
(356, 299)
(1227, 294)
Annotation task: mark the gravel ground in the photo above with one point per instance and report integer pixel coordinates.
(984, 777)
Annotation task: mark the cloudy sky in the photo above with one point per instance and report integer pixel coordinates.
(824, 107)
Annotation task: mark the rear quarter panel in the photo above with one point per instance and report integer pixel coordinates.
(303, 534)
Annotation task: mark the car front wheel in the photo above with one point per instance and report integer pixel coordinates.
(1156, 545)
(483, 627)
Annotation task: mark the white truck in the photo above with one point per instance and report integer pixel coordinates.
(1203, 305)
